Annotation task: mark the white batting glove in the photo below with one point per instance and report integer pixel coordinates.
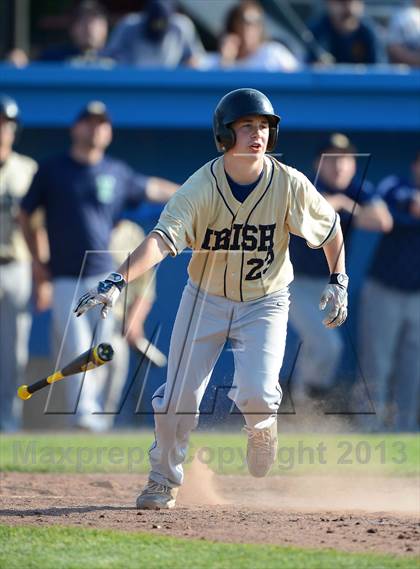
(105, 293)
(335, 294)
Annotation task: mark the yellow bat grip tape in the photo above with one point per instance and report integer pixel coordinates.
(55, 377)
(95, 361)
(98, 360)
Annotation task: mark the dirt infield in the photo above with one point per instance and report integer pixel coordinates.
(350, 514)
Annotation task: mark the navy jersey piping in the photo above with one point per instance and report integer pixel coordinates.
(218, 189)
(246, 223)
(233, 221)
(330, 231)
(168, 236)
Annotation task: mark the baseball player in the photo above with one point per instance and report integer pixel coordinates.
(16, 173)
(235, 213)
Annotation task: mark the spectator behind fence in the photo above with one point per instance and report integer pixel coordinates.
(16, 172)
(357, 204)
(83, 193)
(244, 44)
(390, 313)
(159, 37)
(343, 33)
(404, 35)
(88, 35)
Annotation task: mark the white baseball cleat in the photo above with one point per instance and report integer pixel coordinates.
(156, 496)
(262, 449)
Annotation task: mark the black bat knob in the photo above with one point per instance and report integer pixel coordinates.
(105, 352)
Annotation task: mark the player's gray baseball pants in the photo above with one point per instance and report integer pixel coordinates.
(257, 332)
(390, 357)
(15, 323)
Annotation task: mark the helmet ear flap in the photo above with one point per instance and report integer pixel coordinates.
(272, 138)
(273, 134)
(225, 138)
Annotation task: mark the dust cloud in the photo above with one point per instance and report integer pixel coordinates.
(200, 486)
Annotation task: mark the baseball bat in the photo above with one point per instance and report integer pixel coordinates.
(92, 358)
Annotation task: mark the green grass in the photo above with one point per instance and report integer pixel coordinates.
(299, 454)
(73, 548)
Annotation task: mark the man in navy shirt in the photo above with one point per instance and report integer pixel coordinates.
(390, 311)
(357, 205)
(83, 193)
(343, 34)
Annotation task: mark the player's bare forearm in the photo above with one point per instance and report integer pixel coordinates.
(342, 202)
(139, 311)
(334, 253)
(400, 54)
(375, 217)
(160, 190)
(137, 314)
(37, 242)
(148, 254)
(31, 235)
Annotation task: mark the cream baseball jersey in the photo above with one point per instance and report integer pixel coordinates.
(15, 178)
(240, 250)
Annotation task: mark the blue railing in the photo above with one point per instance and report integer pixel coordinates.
(351, 98)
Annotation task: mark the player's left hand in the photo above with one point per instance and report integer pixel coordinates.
(335, 294)
(106, 293)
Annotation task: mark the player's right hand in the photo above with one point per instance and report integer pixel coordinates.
(106, 293)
